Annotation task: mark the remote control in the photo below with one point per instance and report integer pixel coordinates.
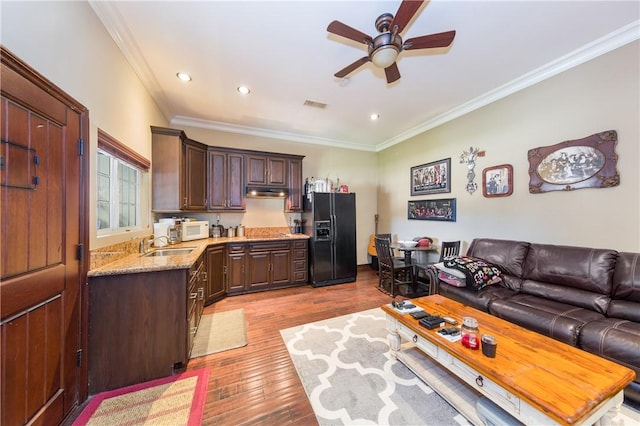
(450, 320)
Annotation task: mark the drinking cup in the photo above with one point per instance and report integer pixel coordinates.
(489, 345)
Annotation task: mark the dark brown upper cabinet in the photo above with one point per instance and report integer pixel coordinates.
(179, 171)
(266, 170)
(226, 180)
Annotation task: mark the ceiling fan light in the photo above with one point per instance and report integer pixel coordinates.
(384, 56)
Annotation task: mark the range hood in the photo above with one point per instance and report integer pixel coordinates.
(265, 192)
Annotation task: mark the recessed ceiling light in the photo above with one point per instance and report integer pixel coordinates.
(244, 90)
(374, 116)
(183, 76)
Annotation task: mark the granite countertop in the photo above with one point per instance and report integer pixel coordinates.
(136, 263)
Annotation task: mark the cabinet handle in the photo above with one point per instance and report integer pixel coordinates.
(193, 296)
(193, 330)
(204, 276)
(201, 294)
(479, 381)
(415, 338)
(185, 201)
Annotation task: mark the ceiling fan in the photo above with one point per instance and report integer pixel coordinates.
(386, 46)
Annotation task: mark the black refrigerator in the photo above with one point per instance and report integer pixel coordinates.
(330, 222)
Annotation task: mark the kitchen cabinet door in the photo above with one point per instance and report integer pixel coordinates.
(259, 266)
(194, 180)
(265, 170)
(280, 267)
(226, 181)
(294, 199)
(215, 274)
(235, 268)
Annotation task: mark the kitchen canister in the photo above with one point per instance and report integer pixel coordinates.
(240, 231)
(231, 232)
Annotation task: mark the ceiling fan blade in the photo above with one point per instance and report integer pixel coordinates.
(392, 73)
(350, 68)
(429, 41)
(405, 12)
(343, 30)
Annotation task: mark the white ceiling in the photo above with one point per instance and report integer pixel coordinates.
(282, 51)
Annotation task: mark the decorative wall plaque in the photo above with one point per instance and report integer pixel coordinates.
(582, 163)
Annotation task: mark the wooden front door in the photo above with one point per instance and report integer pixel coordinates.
(43, 222)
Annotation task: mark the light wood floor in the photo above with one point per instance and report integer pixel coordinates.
(258, 384)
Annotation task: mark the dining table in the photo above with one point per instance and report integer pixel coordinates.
(408, 251)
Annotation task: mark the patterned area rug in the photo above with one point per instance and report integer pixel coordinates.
(174, 400)
(350, 378)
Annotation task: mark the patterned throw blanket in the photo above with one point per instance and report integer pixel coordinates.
(478, 273)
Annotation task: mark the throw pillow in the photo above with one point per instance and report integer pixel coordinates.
(452, 279)
(478, 273)
(451, 271)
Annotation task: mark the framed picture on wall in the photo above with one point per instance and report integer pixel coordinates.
(582, 163)
(443, 209)
(431, 178)
(497, 181)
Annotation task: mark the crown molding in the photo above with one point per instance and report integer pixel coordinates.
(180, 120)
(605, 44)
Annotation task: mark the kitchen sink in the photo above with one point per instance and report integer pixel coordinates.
(170, 251)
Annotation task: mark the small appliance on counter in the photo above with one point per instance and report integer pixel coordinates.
(194, 230)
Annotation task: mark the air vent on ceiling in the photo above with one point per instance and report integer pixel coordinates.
(314, 104)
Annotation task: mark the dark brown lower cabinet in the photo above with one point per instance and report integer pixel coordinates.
(216, 289)
(141, 326)
(269, 265)
(259, 266)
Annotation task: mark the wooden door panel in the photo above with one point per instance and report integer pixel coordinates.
(15, 200)
(32, 363)
(54, 186)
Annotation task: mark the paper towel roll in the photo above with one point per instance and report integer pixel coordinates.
(160, 230)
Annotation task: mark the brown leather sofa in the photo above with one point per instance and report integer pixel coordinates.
(585, 297)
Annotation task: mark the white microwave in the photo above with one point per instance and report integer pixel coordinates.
(195, 230)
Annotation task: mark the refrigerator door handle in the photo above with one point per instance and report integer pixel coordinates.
(333, 228)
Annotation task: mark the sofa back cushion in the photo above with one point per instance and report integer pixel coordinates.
(625, 303)
(508, 255)
(578, 276)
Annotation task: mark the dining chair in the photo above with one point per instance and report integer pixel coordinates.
(395, 277)
(449, 248)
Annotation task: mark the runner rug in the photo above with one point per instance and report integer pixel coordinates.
(174, 400)
(219, 332)
(350, 377)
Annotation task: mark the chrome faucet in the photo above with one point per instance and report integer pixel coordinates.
(143, 243)
(161, 236)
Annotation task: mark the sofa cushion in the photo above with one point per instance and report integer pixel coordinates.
(476, 299)
(507, 255)
(614, 339)
(554, 319)
(555, 271)
(625, 301)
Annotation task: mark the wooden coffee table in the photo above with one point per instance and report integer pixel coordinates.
(533, 378)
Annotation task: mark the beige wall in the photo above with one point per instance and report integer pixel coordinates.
(67, 43)
(600, 95)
